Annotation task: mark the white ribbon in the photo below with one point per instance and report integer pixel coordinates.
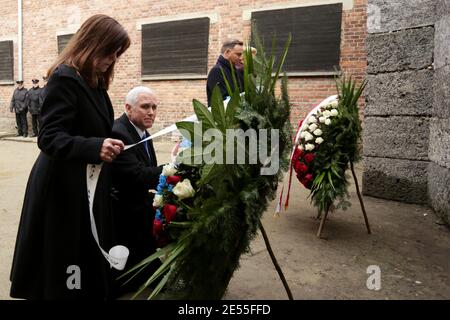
(118, 255)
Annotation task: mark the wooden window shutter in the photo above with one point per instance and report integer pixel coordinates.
(6, 61)
(316, 35)
(175, 47)
(62, 41)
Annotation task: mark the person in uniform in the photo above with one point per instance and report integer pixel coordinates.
(34, 106)
(19, 107)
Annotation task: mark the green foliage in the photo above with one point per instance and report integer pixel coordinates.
(230, 198)
(341, 146)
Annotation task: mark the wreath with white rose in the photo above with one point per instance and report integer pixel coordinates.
(327, 144)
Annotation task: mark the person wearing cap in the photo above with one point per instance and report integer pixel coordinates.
(19, 106)
(34, 106)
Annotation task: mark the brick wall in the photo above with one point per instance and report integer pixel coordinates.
(42, 24)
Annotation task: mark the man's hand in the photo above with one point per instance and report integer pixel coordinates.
(111, 148)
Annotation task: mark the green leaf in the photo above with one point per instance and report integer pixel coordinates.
(218, 109)
(151, 258)
(191, 131)
(227, 84)
(330, 179)
(163, 268)
(211, 171)
(160, 285)
(281, 63)
(203, 114)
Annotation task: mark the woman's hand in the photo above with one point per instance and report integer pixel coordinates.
(111, 148)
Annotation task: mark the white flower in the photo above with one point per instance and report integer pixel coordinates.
(169, 170)
(319, 140)
(318, 132)
(328, 122)
(326, 114)
(334, 104)
(309, 147)
(184, 189)
(303, 134)
(312, 120)
(334, 112)
(322, 119)
(308, 136)
(158, 200)
(313, 127)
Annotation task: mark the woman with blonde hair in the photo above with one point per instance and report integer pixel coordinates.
(56, 256)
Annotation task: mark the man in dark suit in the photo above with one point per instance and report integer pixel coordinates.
(135, 172)
(19, 106)
(231, 56)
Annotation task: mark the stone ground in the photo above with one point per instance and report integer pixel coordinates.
(409, 243)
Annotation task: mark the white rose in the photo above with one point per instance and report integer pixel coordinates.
(312, 120)
(158, 200)
(313, 127)
(334, 112)
(309, 147)
(319, 140)
(184, 189)
(303, 134)
(318, 132)
(328, 122)
(169, 170)
(326, 114)
(322, 119)
(334, 104)
(308, 136)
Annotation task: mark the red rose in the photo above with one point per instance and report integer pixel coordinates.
(307, 180)
(173, 180)
(157, 227)
(309, 157)
(300, 167)
(169, 211)
(298, 153)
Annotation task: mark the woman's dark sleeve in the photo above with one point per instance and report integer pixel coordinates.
(59, 118)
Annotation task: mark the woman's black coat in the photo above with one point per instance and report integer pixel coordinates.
(54, 236)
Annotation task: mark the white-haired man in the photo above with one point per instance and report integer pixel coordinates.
(135, 172)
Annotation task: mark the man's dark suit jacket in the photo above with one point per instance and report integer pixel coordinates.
(134, 173)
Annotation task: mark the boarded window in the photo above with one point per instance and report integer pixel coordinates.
(316, 36)
(62, 41)
(175, 47)
(6, 61)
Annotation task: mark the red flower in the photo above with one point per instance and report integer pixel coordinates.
(170, 212)
(298, 153)
(307, 180)
(300, 167)
(173, 180)
(157, 227)
(309, 157)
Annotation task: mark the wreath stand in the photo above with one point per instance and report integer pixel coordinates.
(324, 216)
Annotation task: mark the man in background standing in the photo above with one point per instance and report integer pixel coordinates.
(34, 106)
(19, 106)
(231, 56)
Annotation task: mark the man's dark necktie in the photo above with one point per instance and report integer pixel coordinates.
(146, 144)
